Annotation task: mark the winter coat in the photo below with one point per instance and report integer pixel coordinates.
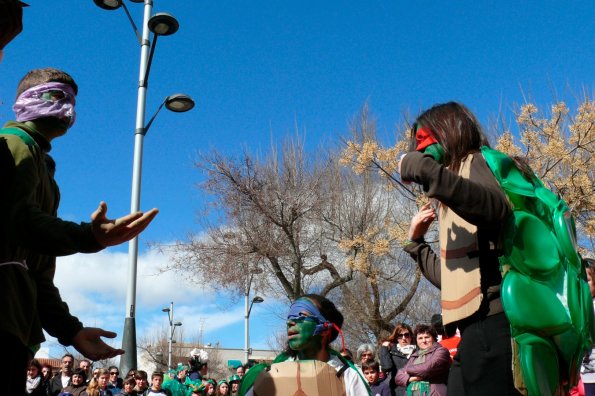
(433, 369)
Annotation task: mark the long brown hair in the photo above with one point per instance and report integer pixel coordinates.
(455, 128)
(394, 337)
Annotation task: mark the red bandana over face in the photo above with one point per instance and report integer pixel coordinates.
(424, 138)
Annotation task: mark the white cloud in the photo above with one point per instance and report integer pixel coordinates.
(94, 286)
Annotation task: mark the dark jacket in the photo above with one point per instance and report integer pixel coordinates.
(56, 385)
(433, 369)
(381, 388)
(31, 232)
(480, 201)
(391, 360)
(75, 390)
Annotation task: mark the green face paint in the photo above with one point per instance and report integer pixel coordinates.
(436, 151)
(301, 334)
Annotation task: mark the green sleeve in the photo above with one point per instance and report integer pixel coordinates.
(30, 211)
(249, 378)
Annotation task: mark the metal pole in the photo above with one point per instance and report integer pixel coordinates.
(128, 360)
(246, 319)
(171, 334)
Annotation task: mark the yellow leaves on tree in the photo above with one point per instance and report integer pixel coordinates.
(559, 148)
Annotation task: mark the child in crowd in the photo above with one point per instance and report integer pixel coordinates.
(156, 389)
(378, 386)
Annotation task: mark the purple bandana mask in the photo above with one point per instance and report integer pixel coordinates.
(30, 105)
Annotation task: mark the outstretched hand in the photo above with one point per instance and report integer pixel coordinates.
(88, 342)
(420, 223)
(11, 20)
(114, 232)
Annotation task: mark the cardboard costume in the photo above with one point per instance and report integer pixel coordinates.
(309, 377)
(288, 376)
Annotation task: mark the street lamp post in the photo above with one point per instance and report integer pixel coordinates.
(160, 24)
(172, 329)
(247, 309)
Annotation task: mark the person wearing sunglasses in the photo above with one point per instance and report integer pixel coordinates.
(114, 382)
(394, 353)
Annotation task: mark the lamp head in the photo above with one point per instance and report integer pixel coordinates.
(179, 103)
(178, 324)
(165, 309)
(162, 23)
(257, 300)
(108, 4)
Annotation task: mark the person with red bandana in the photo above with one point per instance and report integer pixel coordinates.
(447, 163)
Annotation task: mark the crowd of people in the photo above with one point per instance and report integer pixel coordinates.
(85, 380)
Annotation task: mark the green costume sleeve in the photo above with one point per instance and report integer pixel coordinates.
(249, 378)
(30, 202)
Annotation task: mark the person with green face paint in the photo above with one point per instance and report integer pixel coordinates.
(313, 322)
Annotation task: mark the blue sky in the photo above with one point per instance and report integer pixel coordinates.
(256, 70)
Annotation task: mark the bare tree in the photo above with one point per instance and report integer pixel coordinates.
(312, 226)
(268, 209)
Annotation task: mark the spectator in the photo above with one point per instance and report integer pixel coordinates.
(426, 371)
(35, 379)
(313, 322)
(31, 234)
(62, 380)
(115, 382)
(156, 389)
(47, 375)
(240, 372)
(78, 383)
(128, 387)
(198, 368)
(85, 365)
(394, 353)
(222, 388)
(378, 386)
(234, 383)
(365, 353)
(211, 387)
(142, 383)
(131, 373)
(98, 386)
(177, 386)
(448, 339)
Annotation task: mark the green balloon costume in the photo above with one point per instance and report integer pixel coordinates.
(544, 289)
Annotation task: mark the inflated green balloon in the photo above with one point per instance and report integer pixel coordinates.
(544, 290)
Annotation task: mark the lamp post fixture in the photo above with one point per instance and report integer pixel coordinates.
(160, 24)
(247, 309)
(172, 329)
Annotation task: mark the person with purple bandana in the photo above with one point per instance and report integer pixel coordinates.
(31, 234)
(313, 322)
